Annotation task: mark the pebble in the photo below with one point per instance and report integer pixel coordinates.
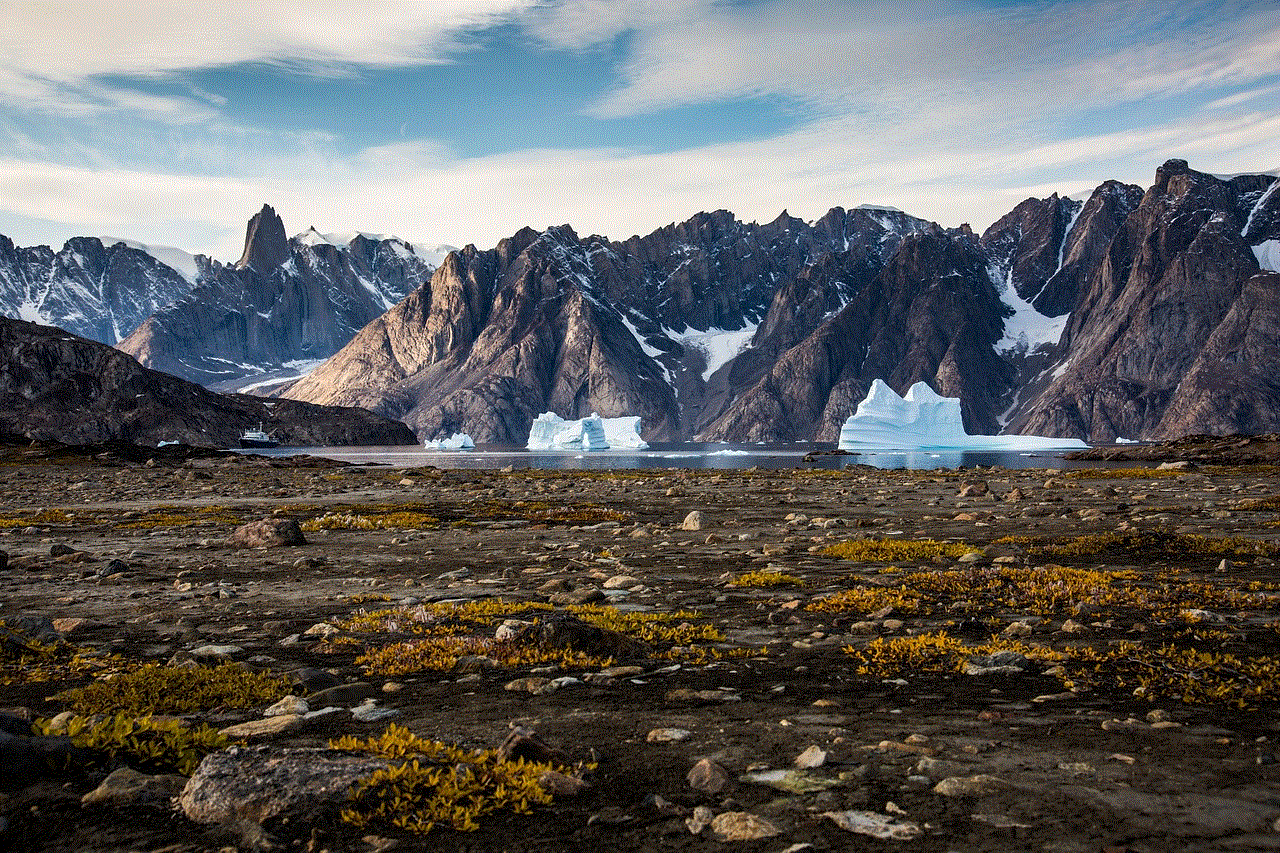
(969, 786)
(265, 728)
(701, 819)
(287, 705)
(741, 826)
(707, 776)
(692, 521)
(882, 826)
(812, 757)
(668, 735)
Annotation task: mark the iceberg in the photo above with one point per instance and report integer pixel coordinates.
(552, 432)
(623, 434)
(926, 421)
(457, 441)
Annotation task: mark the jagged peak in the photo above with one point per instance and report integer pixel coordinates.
(265, 244)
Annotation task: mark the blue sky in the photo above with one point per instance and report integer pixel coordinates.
(457, 122)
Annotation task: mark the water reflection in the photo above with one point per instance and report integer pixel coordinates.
(683, 455)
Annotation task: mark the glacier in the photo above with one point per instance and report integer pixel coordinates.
(927, 421)
(457, 441)
(552, 432)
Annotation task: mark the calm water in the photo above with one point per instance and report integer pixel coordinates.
(680, 455)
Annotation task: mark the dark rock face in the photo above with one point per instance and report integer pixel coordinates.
(553, 322)
(1168, 281)
(95, 290)
(285, 301)
(265, 244)
(932, 314)
(57, 386)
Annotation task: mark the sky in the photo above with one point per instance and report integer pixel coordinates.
(451, 122)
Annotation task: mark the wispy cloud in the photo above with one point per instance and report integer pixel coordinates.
(952, 111)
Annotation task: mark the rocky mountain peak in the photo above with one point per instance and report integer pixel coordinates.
(265, 244)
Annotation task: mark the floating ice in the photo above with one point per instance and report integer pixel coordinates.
(623, 433)
(922, 419)
(457, 441)
(552, 432)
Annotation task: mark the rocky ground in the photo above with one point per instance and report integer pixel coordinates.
(1001, 660)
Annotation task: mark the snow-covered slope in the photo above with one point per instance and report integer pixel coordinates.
(99, 288)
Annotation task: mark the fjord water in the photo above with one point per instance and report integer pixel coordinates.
(684, 455)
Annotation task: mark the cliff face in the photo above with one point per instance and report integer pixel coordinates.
(1141, 314)
(285, 302)
(1090, 319)
(649, 326)
(1169, 279)
(95, 288)
(61, 387)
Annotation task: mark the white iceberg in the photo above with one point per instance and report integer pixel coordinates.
(552, 432)
(623, 434)
(926, 421)
(457, 441)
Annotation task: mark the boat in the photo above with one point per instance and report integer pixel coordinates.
(257, 438)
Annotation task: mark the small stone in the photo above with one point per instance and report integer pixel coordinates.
(741, 826)
(702, 817)
(528, 684)
(970, 556)
(345, 695)
(287, 705)
(969, 786)
(882, 826)
(812, 757)
(692, 521)
(1071, 626)
(707, 776)
(368, 711)
(560, 785)
(668, 735)
(621, 582)
(265, 728)
(1017, 630)
(214, 651)
(127, 787)
(258, 783)
(267, 533)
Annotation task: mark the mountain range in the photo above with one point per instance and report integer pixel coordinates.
(1132, 313)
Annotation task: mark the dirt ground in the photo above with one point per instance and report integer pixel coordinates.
(1076, 762)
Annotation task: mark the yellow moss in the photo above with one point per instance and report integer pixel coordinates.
(441, 654)
(934, 653)
(766, 579)
(433, 784)
(144, 743)
(889, 550)
(155, 689)
(1149, 545)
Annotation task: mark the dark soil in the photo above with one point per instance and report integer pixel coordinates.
(1069, 784)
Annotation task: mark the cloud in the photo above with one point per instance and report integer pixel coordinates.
(53, 51)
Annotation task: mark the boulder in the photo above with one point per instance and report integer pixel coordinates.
(257, 783)
(267, 533)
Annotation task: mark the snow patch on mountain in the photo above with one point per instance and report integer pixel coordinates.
(1025, 328)
(1268, 255)
(720, 346)
(183, 263)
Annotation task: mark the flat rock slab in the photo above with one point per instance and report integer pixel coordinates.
(258, 783)
(127, 787)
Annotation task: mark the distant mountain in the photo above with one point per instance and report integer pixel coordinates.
(1136, 314)
(59, 386)
(100, 288)
(287, 303)
(553, 321)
